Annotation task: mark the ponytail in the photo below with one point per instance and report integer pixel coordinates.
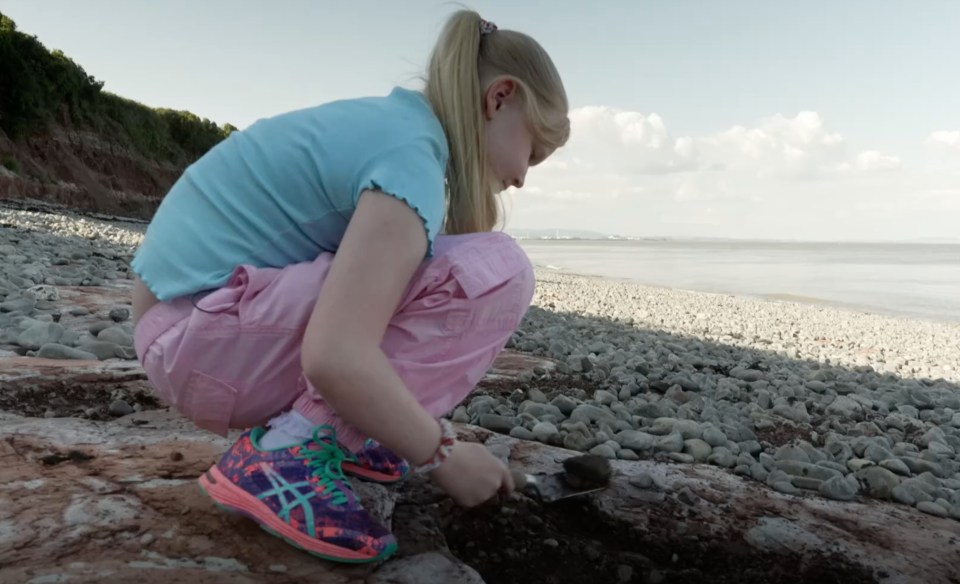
(461, 61)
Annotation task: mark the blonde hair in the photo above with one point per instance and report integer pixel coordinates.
(462, 63)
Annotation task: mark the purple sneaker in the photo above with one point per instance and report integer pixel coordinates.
(299, 494)
(374, 462)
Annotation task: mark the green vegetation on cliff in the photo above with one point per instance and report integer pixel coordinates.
(39, 87)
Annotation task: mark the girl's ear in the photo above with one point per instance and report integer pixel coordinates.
(500, 91)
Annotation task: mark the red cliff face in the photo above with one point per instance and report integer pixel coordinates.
(81, 170)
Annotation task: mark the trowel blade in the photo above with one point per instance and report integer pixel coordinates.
(552, 487)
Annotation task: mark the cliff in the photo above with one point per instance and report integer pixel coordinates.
(64, 140)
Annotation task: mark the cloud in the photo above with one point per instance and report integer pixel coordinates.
(946, 139)
(785, 176)
(611, 150)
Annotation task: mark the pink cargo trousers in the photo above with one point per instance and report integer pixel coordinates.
(231, 359)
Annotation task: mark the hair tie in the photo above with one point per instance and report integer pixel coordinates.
(487, 27)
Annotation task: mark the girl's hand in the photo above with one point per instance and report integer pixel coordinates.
(471, 475)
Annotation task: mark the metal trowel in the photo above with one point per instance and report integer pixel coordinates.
(550, 487)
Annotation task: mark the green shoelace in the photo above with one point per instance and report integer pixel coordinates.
(326, 462)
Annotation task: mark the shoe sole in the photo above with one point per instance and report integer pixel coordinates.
(232, 499)
(370, 475)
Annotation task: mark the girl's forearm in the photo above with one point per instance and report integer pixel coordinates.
(364, 390)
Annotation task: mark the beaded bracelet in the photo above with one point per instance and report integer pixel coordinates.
(448, 436)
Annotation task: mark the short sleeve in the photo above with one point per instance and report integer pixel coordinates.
(413, 173)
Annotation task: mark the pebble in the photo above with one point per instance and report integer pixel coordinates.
(57, 351)
(896, 465)
(636, 440)
(932, 508)
(878, 482)
(119, 314)
(697, 448)
(722, 456)
(839, 489)
(672, 442)
(497, 423)
(545, 432)
(119, 408)
(714, 436)
(521, 433)
(39, 335)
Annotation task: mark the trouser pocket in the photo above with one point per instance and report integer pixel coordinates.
(208, 402)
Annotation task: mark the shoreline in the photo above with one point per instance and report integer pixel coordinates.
(772, 297)
(901, 345)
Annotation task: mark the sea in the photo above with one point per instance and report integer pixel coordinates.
(915, 280)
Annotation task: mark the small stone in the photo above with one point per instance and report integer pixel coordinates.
(642, 481)
(785, 487)
(119, 314)
(604, 397)
(565, 404)
(102, 349)
(838, 489)
(22, 304)
(845, 407)
(57, 351)
(919, 465)
(688, 497)
(672, 442)
(604, 450)
(806, 483)
(624, 573)
(805, 469)
(147, 538)
(39, 335)
(521, 433)
(587, 470)
(497, 423)
(878, 481)
(796, 413)
(545, 432)
(841, 468)
(116, 335)
(790, 452)
(896, 465)
(589, 413)
(627, 454)
(119, 408)
(540, 411)
(536, 396)
(550, 542)
(635, 440)
(722, 456)
(759, 472)
(95, 328)
(714, 436)
(579, 441)
(697, 448)
(855, 464)
(680, 457)
(279, 568)
(932, 508)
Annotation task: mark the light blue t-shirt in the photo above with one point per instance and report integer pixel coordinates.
(283, 190)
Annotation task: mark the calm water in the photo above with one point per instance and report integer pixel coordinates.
(917, 280)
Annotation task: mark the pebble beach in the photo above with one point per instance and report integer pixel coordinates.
(808, 399)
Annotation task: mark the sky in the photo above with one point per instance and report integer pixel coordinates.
(814, 120)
